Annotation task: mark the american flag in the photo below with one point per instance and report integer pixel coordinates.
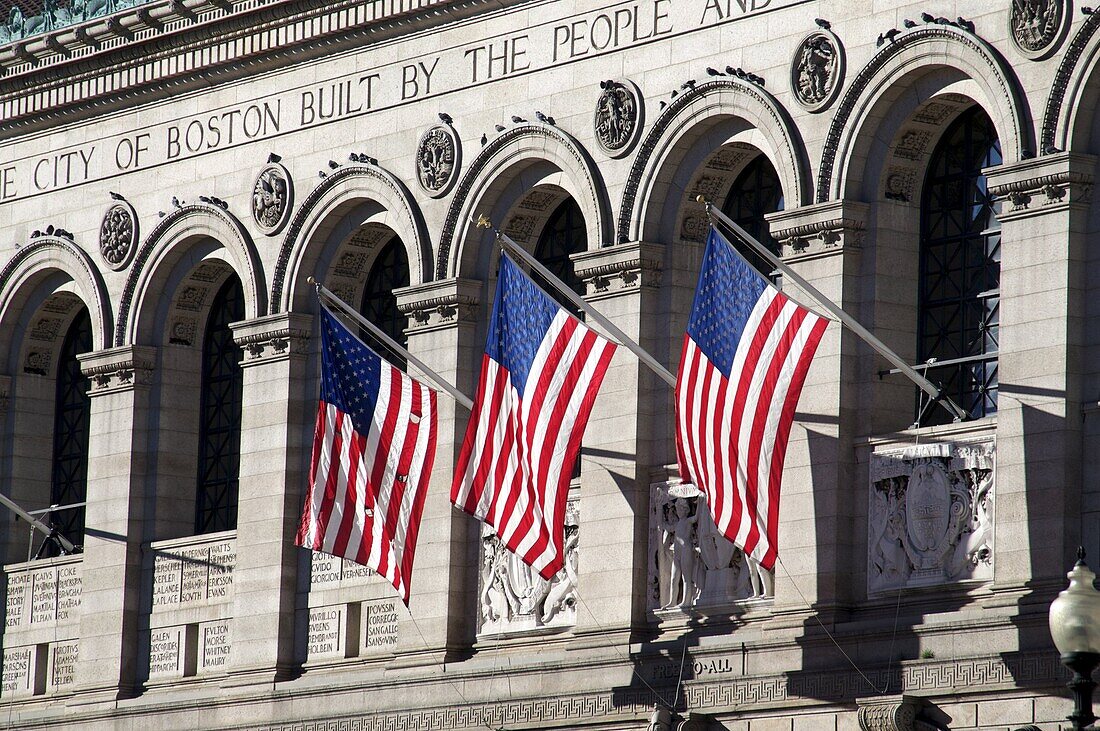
(746, 353)
(540, 374)
(373, 449)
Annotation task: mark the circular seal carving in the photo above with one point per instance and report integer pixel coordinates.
(619, 116)
(118, 235)
(438, 156)
(817, 71)
(1037, 27)
(272, 198)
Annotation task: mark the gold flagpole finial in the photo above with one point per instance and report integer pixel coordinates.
(311, 280)
(483, 221)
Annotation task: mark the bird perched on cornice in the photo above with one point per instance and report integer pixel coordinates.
(116, 196)
(333, 164)
(822, 23)
(714, 72)
(1087, 10)
(928, 17)
(674, 93)
(689, 84)
(879, 41)
(909, 23)
(890, 34)
(965, 24)
(35, 234)
(205, 199)
(177, 202)
(500, 128)
(484, 139)
(272, 157)
(662, 104)
(445, 118)
(321, 174)
(49, 230)
(543, 118)
(518, 120)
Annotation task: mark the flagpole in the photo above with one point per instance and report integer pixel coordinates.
(511, 246)
(377, 332)
(877, 345)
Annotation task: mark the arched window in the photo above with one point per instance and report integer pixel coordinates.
(69, 477)
(960, 268)
(390, 271)
(564, 234)
(755, 192)
(220, 428)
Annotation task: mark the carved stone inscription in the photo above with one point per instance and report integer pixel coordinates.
(331, 572)
(43, 596)
(193, 576)
(68, 592)
(514, 598)
(18, 673)
(333, 631)
(693, 564)
(215, 645)
(18, 602)
(166, 652)
(63, 656)
(381, 625)
(930, 515)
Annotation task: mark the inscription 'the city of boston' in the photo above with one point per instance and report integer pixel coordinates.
(25, 172)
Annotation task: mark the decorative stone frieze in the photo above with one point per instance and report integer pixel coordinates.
(619, 116)
(118, 234)
(440, 304)
(614, 270)
(438, 158)
(930, 515)
(693, 564)
(272, 196)
(273, 337)
(119, 369)
(513, 598)
(822, 229)
(817, 71)
(1043, 185)
(1037, 27)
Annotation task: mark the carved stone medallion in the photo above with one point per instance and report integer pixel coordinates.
(619, 117)
(272, 197)
(1037, 27)
(438, 156)
(118, 235)
(817, 71)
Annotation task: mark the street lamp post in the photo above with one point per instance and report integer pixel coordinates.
(1075, 627)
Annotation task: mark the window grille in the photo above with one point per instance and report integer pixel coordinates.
(565, 233)
(390, 271)
(755, 192)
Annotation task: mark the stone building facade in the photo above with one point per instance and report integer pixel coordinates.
(171, 172)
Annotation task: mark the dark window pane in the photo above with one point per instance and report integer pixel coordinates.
(755, 192)
(960, 268)
(69, 478)
(390, 271)
(564, 234)
(220, 430)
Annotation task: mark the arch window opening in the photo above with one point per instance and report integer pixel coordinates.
(220, 426)
(755, 192)
(72, 413)
(960, 265)
(389, 272)
(565, 233)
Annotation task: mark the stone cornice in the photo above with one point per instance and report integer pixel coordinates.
(822, 229)
(119, 369)
(273, 337)
(615, 270)
(440, 304)
(1042, 185)
(109, 59)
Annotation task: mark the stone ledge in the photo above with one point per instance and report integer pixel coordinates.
(119, 369)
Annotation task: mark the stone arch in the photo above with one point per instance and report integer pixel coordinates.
(167, 244)
(1070, 92)
(504, 159)
(340, 191)
(918, 53)
(707, 105)
(72, 268)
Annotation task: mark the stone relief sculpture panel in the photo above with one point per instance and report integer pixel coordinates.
(618, 117)
(514, 598)
(817, 72)
(930, 515)
(272, 196)
(693, 564)
(1036, 26)
(118, 234)
(437, 159)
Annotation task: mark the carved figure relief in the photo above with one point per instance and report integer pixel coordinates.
(272, 197)
(118, 234)
(1037, 26)
(618, 118)
(930, 518)
(437, 160)
(818, 70)
(694, 565)
(513, 597)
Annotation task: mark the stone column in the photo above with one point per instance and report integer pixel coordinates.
(276, 417)
(118, 448)
(822, 243)
(632, 411)
(1042, 327)
(442, 332)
